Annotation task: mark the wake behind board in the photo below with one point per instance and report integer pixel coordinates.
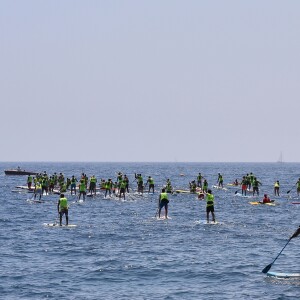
(283, 275)
(204, 222)
(35, 201)
(56, 225)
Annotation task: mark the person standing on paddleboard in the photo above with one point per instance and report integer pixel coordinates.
(127, 183)
(199, 180)
(163, 202)
(244, 186)
(205, 186)
(210, 201)
(122, 186)
(150, 181)
(140, 183)
(82, 189)
(220, 180)
(73, 185)
(92, 187)
(255, 185)
(62, 208)
(29, 182)
(38, 190)
(276, 188)
(298, 187)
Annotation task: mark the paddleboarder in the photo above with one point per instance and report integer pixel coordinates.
(82, 189)
(298, 187)
(199, 180)
(73, 185)
(276, 188)
(150, 181)
(38, 190)
(210, 199)
(62, 208)
(163, 202)
(29, 182)
(255, 185)
(205, 186)
(220, 180)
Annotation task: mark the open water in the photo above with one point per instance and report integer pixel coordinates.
(119, 250)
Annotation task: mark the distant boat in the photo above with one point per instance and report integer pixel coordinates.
(280, 159)
(19, 171)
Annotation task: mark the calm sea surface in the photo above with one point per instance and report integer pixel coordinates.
(119, 250)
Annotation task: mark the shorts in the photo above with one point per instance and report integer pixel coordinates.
(64, 211)
(244, 187)
(210, 209)
(38, 191)
(163, 203)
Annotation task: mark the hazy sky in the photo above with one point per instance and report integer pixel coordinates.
(156, 80)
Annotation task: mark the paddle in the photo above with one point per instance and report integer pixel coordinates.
(289, 190)
(157, 207)
(268, 267)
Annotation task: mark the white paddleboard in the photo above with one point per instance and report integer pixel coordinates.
(219, 187)
(163, 218)
(56, 225)
(209, 223)
(283, 275)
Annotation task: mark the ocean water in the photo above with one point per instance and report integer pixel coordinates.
(119, 250)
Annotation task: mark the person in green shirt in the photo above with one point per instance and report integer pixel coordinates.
(62, 208)
(82, 189)
(205, 186)
(163, 202)
(38, 190)
(150, 181)
(199, 180)
(29, 182)
(210, 199)
(108, 187)
(122, 186)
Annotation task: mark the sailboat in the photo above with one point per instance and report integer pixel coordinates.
(280, 159)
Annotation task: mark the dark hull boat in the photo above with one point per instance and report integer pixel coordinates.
(19, 172)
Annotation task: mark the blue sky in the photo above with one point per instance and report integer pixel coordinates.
(200, 81)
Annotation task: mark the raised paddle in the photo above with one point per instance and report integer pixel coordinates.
(268, 267)
(291, 189)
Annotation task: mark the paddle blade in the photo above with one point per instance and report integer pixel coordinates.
(297, 232)
(267, 268)
(288, 192)
(235, 192)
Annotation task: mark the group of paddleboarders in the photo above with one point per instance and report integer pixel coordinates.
(44, 183)
(163, 202)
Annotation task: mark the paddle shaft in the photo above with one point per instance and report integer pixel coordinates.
(268, 267)
(290, 190)
(281, 251)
